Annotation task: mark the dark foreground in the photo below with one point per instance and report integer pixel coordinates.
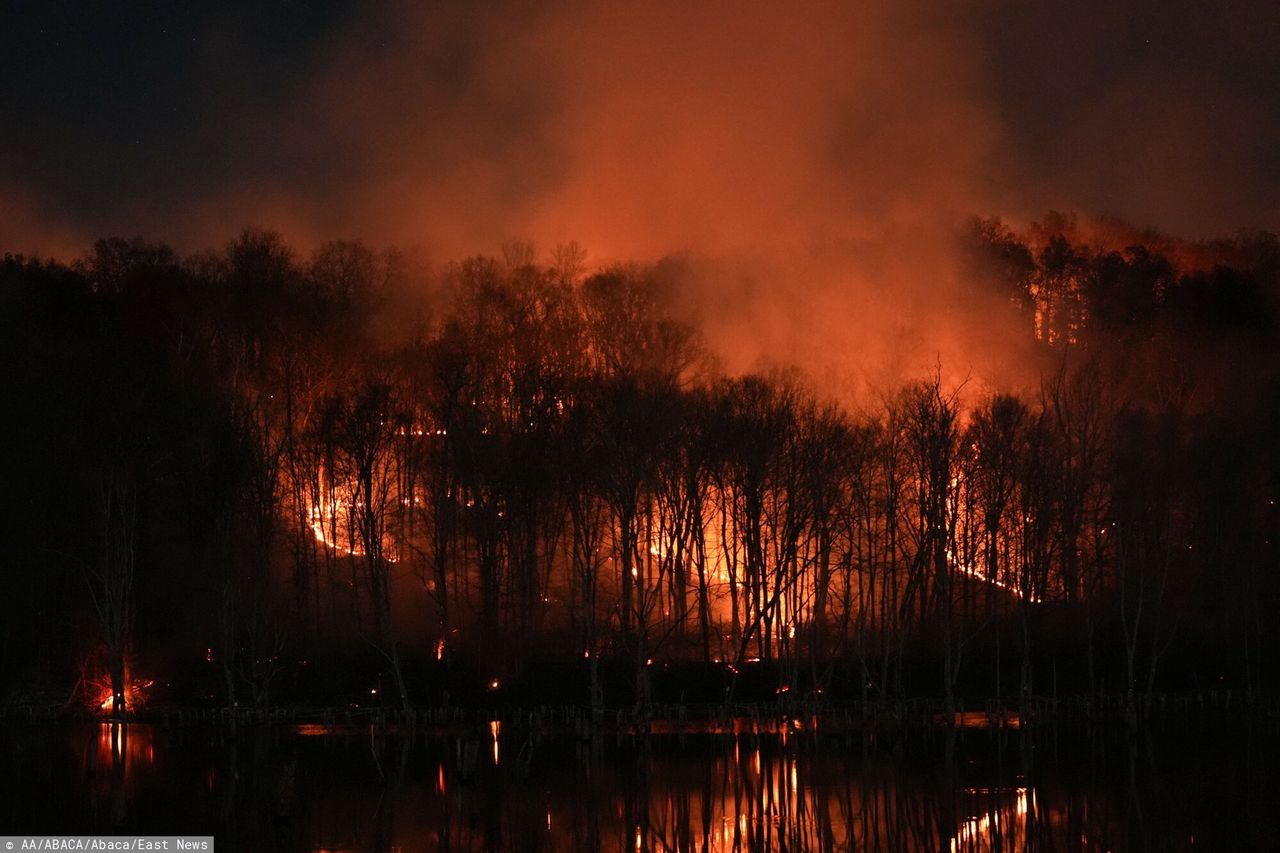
(311, 787)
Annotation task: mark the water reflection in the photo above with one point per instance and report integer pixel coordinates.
(998, 828)
(781, 799)
(765, 788)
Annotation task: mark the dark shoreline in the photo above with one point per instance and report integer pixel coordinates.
(752, 718)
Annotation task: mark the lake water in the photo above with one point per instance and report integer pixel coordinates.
(313, 788)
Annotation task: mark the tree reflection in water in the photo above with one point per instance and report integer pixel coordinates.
(503, 788)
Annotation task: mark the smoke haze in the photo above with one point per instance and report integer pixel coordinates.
(810, 165)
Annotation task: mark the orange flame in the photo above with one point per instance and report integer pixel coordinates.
(134, 693)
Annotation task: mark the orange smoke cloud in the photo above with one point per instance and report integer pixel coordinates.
(815, 161)
(810, 162)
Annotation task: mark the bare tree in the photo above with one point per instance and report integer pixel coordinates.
(111, 576)
(368, 419)
(932, 433)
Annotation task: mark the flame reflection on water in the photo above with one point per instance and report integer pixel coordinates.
(458, 789)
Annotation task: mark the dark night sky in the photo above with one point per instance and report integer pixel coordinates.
(397, 121)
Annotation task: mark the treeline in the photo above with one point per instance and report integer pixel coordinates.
(259, 477)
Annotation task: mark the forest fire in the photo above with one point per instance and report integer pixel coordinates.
(135, 693)
(324, 520)
(608, 493)
(1011, 588)
(604, 384)
(335, 525)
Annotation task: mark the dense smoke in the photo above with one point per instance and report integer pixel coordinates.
(814, 165)
(810, 169)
